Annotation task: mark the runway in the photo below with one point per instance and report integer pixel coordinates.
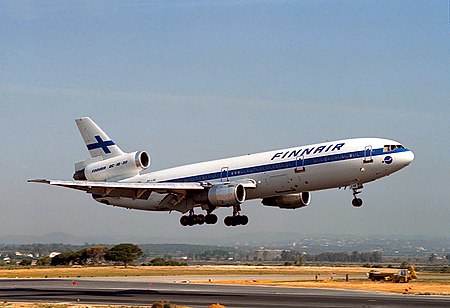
(87, 291)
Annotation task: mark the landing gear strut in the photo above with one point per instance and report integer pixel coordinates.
(357, 202)
(199, 219)
(236, 219)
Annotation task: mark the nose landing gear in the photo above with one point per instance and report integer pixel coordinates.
(357, 202)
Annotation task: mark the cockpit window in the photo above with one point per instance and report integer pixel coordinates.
(392, 147)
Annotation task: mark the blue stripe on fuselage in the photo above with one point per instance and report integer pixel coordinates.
(284, 165)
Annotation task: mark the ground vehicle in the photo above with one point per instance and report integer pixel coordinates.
(403, 275)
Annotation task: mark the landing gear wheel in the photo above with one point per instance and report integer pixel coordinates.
(192, 220)
(184, 220)
(235, 220)
(357, 202)
(211, 219)
(200, 219)
(228, 221)
(243, 220)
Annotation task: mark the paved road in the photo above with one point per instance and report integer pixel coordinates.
(197, 295)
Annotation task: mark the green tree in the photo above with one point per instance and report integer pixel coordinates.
(124, 253)
(25, 262)
(158, 261)
(299, 261)
(163, 262)
(93, 255)
(67, 258)
(45, 261)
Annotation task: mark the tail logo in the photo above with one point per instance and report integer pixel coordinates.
(101, 144)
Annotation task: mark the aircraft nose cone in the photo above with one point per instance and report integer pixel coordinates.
(408, 157)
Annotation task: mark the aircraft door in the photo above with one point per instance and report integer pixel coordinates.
(224, 174)
(368, 151)
(300, 164)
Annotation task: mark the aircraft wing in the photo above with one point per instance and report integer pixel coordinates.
(125, 189)
(136, 190)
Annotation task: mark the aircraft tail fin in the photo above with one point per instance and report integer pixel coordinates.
(97, 141)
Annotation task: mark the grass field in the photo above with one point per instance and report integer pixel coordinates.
(113, 271)
(426, 284)
(416, 287)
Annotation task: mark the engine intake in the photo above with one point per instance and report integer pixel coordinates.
(291, 201)
(123, 166)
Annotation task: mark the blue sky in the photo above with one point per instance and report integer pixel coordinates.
(199, 80)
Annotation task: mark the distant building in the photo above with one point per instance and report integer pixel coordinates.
(54, 254)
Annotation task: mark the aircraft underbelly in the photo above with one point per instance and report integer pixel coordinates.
(153, 203)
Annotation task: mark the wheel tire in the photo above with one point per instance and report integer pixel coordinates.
(184, 221)
(214, 219)
(192, 220)
(243, 220)
(200, 219)
(228, 221)
(234, 220)
(357, 202)
(208, 219)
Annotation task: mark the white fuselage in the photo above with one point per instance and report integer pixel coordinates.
(300, 169)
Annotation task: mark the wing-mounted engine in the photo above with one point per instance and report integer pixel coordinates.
(291, 201)
(114, 168)
(229, 194)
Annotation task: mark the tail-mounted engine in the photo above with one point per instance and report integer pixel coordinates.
(291, 201)
(118, 167)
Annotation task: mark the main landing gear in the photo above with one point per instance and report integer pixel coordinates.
(200, 219)
(357, 202)
(236, 219)
(211, 219)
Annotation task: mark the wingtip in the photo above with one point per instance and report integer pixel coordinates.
(39, 181)
(82, 118)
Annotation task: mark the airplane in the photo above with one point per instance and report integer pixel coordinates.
(282, 178)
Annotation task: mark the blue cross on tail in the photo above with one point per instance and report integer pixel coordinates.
(101, 144)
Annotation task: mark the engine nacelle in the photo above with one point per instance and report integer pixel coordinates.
(291, 201)
(123, 166)
(226, 194)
